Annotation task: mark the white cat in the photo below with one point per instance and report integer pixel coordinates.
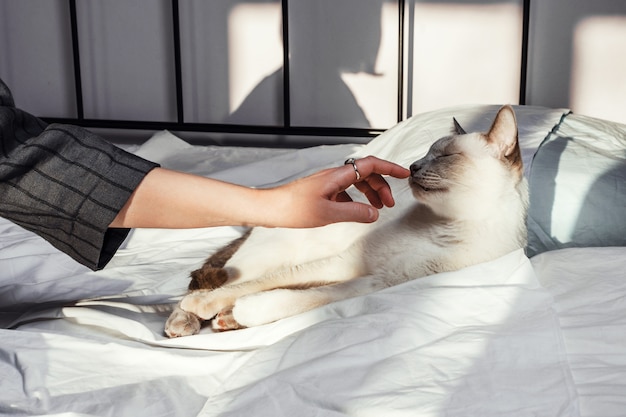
(469, 207)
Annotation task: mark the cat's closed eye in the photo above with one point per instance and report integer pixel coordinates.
(449, 155)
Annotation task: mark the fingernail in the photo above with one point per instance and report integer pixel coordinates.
(373, 213)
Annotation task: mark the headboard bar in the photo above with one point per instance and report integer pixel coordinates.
(220, 128)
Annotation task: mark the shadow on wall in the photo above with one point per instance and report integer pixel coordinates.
(327, 39)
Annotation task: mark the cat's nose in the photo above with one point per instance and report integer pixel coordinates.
(415, 167)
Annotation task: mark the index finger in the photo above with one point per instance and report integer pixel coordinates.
(373, 165)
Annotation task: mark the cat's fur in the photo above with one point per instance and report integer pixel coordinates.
(469, 207)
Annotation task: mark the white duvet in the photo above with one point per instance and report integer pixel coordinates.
(506, 338)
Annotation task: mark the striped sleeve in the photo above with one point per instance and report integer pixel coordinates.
(64, 183)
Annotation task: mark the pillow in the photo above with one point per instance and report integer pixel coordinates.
(578, 186)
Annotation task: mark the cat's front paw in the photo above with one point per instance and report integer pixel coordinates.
(205, 303)
(182, 323)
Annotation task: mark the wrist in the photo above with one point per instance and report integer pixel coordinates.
(273, 207)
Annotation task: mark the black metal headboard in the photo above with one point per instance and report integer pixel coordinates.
(286, 129)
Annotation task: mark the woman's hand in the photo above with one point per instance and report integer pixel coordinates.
(321, 198)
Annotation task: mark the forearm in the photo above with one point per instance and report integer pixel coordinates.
(171, 199)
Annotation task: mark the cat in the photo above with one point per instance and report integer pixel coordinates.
(468, 205)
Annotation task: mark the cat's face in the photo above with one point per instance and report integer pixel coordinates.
(464, 174)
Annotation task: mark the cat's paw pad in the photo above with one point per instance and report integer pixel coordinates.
(225, 320)
(182, 323)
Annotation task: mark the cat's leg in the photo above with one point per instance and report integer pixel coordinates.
(266, 307)
(206, 304)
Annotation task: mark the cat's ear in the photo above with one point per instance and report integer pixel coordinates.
(457, 127)
(503, 133)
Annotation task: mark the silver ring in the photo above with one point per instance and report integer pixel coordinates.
(353, 162)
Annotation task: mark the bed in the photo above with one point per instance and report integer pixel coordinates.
(540, 332)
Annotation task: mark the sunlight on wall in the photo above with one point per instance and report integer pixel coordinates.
(466, 54)
(599, 68)
(254, 47)
(374, 92)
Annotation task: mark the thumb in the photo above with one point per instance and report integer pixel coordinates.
(353, 212)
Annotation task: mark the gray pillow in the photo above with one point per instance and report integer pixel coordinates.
(578, 186)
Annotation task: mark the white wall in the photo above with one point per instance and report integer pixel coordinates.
(36, 55)
(465, 52)
(343, 58)
(577, 56)
(126, 59)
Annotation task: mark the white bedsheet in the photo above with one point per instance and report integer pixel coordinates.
(488, 340)
(482, 341)
(589, 287)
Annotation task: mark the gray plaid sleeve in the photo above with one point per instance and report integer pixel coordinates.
(64, 183)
